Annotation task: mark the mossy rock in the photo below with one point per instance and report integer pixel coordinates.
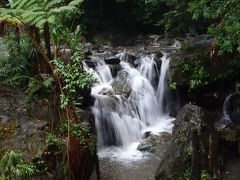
(8, 129)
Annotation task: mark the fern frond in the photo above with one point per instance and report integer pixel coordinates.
(52, 3)
(75, 2)
(64, 9)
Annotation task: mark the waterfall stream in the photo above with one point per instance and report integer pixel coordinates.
(122, 118)
(225, 120)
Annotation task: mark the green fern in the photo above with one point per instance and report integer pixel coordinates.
(12, 165)
(38, 12)
(14, 60)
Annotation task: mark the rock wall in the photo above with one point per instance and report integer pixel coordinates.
(194, 146)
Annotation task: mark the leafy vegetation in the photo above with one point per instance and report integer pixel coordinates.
(198, 73)
(12, 166)
(82, 132)
(14, 59)
(49, 25)
(205, 175)
(73, 79)
(225, 14)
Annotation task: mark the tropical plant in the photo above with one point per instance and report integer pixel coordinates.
(35, 15)
(226, 15)
(48, 21)
(39, 86)
(12, 165)
(14, 59)
(74, 79)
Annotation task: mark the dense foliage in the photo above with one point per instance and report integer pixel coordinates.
(12, 165)
(49, 25)
(15, 59)
(226, 16)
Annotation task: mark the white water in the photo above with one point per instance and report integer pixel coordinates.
(163, 89)
(122, 121)
(225, 120)
(225, 108)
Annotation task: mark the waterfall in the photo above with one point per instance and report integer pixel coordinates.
(225, 108)
(225, 120)
(122, 119)
(163, 89)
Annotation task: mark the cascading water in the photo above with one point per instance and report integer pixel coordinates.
(163, 90)
(225, 108)
(225, 120)
(122, 119)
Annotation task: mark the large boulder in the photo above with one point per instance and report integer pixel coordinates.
(194, 146)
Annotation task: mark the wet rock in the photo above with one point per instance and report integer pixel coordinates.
(155, 143)
(87, 52)
(109, 103)
(158, 61)
(121, 85)
(144, 147)
(88, 46)
(112, 60)
(194, 145)
(102, 54)
(147, 134)
(131, 58)
(199, 43)
(165, 42)
(115, 68)
(90, 63)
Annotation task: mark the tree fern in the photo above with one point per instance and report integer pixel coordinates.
(37, 12)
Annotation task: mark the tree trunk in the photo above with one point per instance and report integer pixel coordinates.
(47, 39)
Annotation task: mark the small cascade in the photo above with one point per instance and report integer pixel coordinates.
(123, 118)
(163, 89)
(225, 120)
(148, 69)
(225, 108)
(103, 71)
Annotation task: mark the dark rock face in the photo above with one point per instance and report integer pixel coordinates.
(22, 127)
(112, 60)
(115, 68)
(130, 58)
(194, 145)
(90, 63)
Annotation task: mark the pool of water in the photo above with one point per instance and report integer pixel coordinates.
(127, 164)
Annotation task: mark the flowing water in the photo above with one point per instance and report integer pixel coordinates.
(225, 120)
(122, 120)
